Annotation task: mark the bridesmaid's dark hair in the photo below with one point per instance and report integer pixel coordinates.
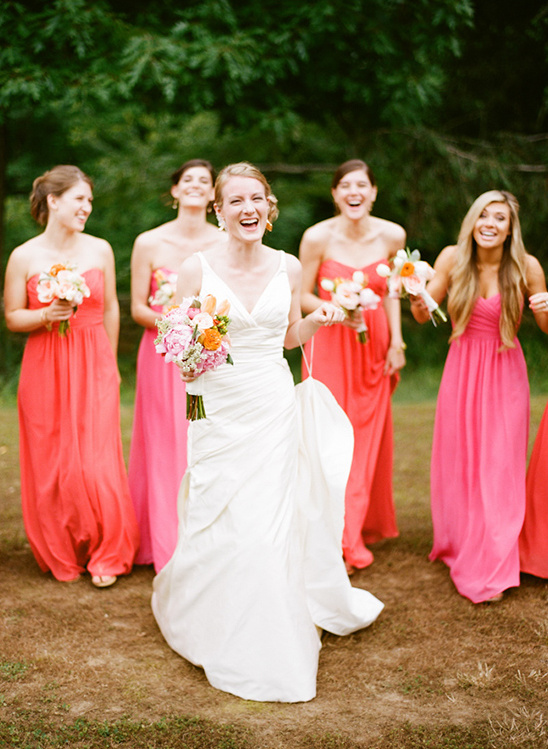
(352, 166)
(54, 182)
(178, 173)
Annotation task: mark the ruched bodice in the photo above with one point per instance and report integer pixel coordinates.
(90, 312)
(334, 269)
(259, 334)
(484, 321)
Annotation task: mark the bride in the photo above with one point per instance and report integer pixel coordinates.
(257, 571)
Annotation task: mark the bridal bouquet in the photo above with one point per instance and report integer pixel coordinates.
(167, 285)
(194, 335)
(408, 275)
(62, 282)
(351, 295)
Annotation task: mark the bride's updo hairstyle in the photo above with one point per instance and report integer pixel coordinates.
(245, 169)
(54, 182)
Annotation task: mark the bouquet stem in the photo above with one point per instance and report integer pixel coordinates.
(195, 407)
(362, 336)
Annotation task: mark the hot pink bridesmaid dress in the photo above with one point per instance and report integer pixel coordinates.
(533, 542)
(76, 505)
(354, 373)
(479, 458)
(157, 459)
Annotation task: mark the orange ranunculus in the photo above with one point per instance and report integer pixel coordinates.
(56, 268)
(223, 308)
(209, 304)
(407, 269)
(211, 339)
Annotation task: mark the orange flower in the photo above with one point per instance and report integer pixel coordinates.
(210, 339)
(208, 305)
(56, 268)
(407, 269)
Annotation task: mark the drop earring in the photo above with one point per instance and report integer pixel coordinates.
(268, 225)
(220, 221)
(175, 204)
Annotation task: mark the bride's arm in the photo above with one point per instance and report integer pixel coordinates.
(301, 329)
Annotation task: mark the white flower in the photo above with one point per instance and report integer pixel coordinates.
(327, 284)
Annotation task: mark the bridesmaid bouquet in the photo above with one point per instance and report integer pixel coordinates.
(351, 295)
(167, 284)
(408, 275)
(194, 335)
(62, 282)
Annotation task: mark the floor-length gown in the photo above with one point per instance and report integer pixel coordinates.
(245, 587)
(479, 458)
(533, 542)
(354, 373)
(157, 459)
(76, 505)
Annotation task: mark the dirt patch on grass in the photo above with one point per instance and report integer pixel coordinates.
(88, 667)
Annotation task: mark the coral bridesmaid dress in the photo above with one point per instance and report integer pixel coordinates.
(479, 458)
(76, 505)
(354, 373)
(533, 542)
(157, 459)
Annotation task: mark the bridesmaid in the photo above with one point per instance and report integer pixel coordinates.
(76, 505)
(157, 459)
(533, 541)
(361, 376)
(482, 415)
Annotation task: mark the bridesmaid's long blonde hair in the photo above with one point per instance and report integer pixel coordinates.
(464, 289)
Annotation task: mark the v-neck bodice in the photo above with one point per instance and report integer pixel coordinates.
(258, 334)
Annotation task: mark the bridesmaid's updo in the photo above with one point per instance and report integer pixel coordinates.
(352, 166)
(178, 173)
(54, 182)
(245, 169)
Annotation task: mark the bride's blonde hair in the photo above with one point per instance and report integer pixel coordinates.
(464, 286)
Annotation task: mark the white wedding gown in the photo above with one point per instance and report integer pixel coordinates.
(258, 566)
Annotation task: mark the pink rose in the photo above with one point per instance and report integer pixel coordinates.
(346, 295)
(413, 284)
(203, 320)
(47, 289)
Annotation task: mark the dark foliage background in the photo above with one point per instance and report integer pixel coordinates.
(444, 98)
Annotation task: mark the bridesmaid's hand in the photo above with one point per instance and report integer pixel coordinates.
(58, 310)
(539, 302)
(354, 320)
(395, 360)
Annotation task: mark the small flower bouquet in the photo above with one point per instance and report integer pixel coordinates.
(351, 295)
(194, 336)
(167, 285)
(408, 275)
(62, 282)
